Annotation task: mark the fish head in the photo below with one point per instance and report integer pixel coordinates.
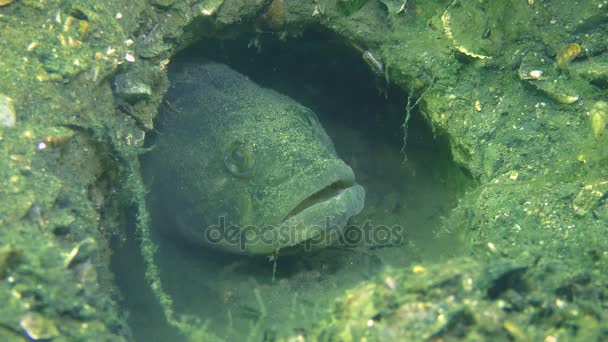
(252, 171)
(293, 185)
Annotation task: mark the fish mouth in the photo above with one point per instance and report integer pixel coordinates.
(327, 197)
(322, 211)
(330, 191)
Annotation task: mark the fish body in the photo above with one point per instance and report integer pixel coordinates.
(243, 168)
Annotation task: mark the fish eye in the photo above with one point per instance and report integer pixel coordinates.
(239, 159)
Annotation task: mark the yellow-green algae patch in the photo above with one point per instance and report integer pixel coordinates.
(55, 62)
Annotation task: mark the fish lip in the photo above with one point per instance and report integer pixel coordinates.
(340, 178)
(326, 193)
(327, 206)
(316, 224)
(311, 221)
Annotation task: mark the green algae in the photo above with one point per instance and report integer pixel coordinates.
(348, 7)
(55, 171)
(525, 222)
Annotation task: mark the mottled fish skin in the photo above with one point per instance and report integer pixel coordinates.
(243, 168)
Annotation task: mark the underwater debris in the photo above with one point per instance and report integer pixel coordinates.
(60, 138)
(566, 54)
(37, 327)
(535, 74)
(81, 33)
(83, 25)
(373, 62)
(274, 17)
(598, 117)
(83, 251)
(7, 111)
(477, 106)
(589, 197)
(399, 6)
(536, 70)
(447, 29)
(208, 8)
(515, 331)
(348, 7)
(319, 10)
(10, 256)
(83, 29)
(561, 98)
(417, 269)
(405, 6)
(390, 283)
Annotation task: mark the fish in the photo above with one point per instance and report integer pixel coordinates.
(245, 169)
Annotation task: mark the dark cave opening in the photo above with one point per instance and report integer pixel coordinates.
(322, 72)
(363, 115)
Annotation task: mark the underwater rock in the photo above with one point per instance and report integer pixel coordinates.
(132, 89)
(589, 197)
(243, 168)
(594, 71)
(38, 327)
(598, 117)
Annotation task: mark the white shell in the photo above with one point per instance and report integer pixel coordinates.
(536, 74)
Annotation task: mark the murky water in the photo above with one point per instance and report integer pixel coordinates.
(242, 296)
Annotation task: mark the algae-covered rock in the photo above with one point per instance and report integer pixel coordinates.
(82, 81)
(37, 327)
(542, 74)
(348, 7)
